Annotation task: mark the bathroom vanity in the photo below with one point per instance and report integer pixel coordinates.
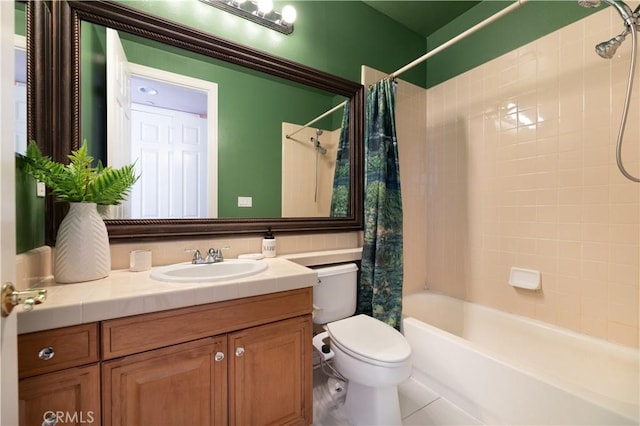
(244, 356)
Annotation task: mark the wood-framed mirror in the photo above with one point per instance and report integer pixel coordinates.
(167, 36)
(38, 18)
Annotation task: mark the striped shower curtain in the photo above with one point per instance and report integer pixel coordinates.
(380, 289)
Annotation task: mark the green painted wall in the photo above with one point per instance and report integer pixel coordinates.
(20, 22)
(29, 212)
(334, 36)
(529, 22)
(93, 71)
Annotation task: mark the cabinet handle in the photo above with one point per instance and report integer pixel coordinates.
(46, 354)
(219, 356)
(239, 351)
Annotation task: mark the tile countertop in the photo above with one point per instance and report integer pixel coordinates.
(318, 258)
(125, 293)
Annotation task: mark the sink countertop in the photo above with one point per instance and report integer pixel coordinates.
(124, 293)
(317, 258)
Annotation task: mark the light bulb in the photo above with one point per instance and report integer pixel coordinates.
(265, 6)
(289, 14)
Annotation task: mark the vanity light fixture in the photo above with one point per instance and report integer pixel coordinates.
(260, 11)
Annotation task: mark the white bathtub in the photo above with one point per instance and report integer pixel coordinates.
(507, 369)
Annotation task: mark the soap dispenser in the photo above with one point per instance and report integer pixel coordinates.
(269, 244)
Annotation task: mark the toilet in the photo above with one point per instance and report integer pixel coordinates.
(373, 356)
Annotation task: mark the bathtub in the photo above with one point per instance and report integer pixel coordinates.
(506, 369)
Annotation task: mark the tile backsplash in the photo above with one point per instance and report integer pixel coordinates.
(165, 253)
(35, 265)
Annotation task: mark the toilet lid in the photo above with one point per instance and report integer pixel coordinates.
(370, 340)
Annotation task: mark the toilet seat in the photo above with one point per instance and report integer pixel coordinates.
(370, 340)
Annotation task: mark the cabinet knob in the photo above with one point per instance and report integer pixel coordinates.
(239, 351)
(46, 354)
(219, 356)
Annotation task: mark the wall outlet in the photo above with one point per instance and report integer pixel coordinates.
(41, 190)
(245, 201)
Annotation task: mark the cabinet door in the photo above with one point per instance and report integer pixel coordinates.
(70, 397)
(179, 385)
(270, 374)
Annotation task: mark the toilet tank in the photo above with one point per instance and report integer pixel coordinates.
(334, 295)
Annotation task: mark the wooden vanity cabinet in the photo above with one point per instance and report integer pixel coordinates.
(59, 376)
(239, 362)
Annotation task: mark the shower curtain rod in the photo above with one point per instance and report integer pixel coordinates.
(459, 37)
(335, 108)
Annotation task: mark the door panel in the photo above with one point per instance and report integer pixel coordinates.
(8, 325)
(180, 385)
(118, 112)
(270, 374)
(171, 149)
(71, 396)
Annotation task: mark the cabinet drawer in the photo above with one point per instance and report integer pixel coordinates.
(140, 333)
(72, 396)
(52, 350)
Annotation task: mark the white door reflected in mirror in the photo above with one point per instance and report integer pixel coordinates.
(167, 124)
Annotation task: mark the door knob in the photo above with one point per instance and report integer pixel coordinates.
(219, 356)
(27, 298)
(239, 351)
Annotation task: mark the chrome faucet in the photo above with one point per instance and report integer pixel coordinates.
(213, 256)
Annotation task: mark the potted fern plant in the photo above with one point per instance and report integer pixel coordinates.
(82, 244)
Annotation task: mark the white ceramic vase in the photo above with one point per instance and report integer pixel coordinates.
(82, 246)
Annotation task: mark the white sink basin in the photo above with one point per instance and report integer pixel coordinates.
(210, 272)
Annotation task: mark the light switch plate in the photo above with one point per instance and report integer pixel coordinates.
(245, 201)
(41, 190)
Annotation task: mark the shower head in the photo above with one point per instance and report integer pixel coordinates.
(316, 143)
(625, 11)
(607, 49)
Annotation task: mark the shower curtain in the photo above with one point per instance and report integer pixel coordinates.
(380, 289)
(340, 195)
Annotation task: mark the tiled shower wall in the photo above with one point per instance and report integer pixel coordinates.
(521, 172)
(307, 174)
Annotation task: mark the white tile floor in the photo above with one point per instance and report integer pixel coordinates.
(418, 404)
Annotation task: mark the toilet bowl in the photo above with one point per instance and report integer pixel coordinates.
(371, 355)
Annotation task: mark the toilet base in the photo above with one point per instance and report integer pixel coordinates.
(372, 406)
